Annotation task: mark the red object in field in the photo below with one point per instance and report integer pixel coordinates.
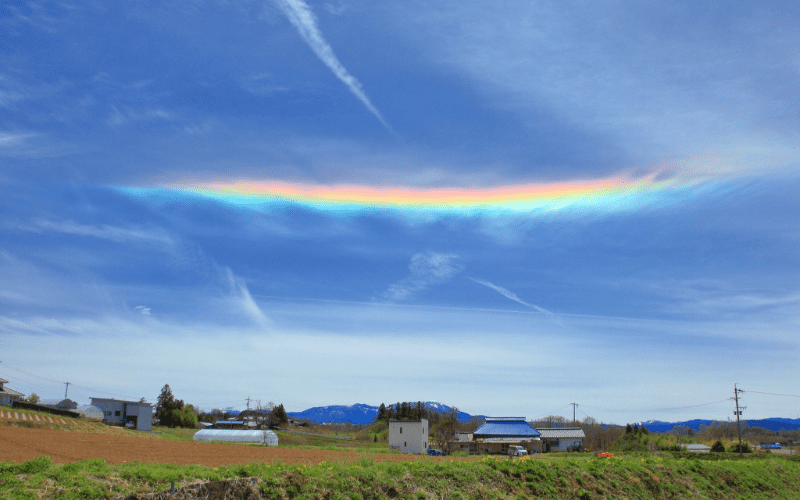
(605, 455)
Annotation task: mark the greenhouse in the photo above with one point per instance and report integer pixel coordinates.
(268, 438)
(90, 412)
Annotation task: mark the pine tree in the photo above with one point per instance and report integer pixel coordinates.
(628, 429)
(164, 406)
(280, 414)
(381, 413)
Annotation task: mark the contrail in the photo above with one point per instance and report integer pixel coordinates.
(513, 296)
(305, 21)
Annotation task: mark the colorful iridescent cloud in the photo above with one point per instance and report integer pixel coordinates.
(609, 194)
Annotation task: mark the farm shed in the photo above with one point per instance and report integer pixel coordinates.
(268, 438)
(563, 439)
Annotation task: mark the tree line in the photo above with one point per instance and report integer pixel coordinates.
(172, 412)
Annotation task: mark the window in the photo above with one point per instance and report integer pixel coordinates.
(116, 413)
(401, 430)
(405, 444)
(107, 413)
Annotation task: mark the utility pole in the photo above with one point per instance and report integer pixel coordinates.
(738, 413)
(573, 413)
(67, 390)
(248, 403)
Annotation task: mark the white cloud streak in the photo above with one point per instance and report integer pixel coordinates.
(301, 16)
(427, 269)
(513, 296)
(246, 302)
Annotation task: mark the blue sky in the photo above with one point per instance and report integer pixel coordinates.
(637, 306)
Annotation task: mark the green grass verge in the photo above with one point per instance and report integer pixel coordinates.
(642, 476)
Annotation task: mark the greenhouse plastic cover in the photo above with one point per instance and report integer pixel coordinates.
(237, 436)
(90, 412)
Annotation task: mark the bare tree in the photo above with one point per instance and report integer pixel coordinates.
(446, 429)
(265, 415)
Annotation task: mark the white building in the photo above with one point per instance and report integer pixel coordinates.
(118, 412)
(8, 396)
(563, 439)
(408, 436)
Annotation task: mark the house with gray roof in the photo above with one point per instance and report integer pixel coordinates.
(8, 396)
(136, 414)
(563, 438)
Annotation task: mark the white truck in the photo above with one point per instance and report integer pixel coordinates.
(517, 451)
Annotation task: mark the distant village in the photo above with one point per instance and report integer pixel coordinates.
(496, 435)
(408, 428)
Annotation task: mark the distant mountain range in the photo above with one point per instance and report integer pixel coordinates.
(364, 414)
(361, 413)
(771, 424)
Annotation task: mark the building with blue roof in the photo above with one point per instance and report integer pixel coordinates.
(497, 434)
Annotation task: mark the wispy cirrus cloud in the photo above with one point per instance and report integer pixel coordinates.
(304, 20)
(119, 117)
(116, 234)
(427, 269)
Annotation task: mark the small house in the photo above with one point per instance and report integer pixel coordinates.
(137, 414)
(8, 396)
(408, 436)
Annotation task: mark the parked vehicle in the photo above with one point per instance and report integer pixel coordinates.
(435, 453)
(517, 451)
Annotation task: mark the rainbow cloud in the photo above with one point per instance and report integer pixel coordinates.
(609, 195)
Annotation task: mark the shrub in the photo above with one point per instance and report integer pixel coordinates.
(745, 448)
(718, 447)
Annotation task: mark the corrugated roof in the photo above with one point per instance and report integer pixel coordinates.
(508, 439)
(562, 433)
(496, 428)
(10, 392)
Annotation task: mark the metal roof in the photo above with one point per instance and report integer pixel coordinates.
(141, 403)
(10, 392)
(497, 428)
(508, 439)
(564, 433)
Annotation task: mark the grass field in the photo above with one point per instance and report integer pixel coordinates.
(635, 476)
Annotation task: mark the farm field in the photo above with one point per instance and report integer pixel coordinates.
(18, 444)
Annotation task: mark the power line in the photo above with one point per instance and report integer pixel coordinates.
(69, 383)
(774, 394)
(551, 412)
(643, 410)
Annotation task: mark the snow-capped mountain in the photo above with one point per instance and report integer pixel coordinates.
(361, 413)
(772, 424)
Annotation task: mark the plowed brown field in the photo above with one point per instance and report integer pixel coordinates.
(19, 444)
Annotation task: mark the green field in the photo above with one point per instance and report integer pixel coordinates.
(583, 476)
